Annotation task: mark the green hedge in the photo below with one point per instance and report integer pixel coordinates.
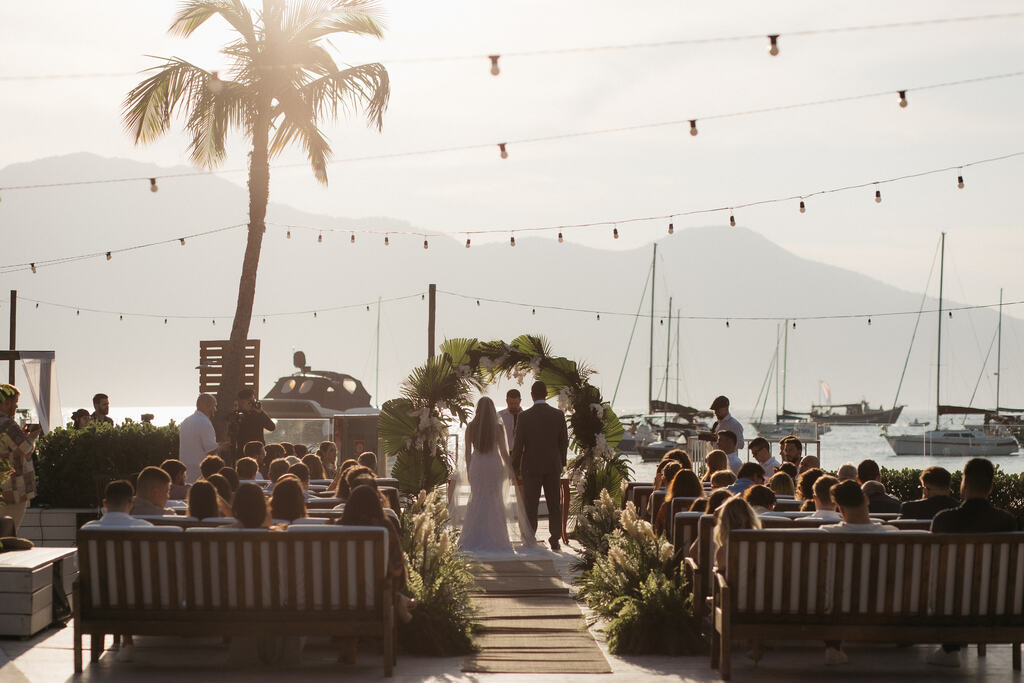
(1007, 490)
(75, 464)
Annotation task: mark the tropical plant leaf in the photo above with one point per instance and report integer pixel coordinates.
(396, 425)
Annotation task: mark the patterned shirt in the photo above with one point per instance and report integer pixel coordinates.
(16, 449)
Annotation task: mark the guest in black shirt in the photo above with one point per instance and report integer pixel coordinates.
(935, 483)
(878, 499)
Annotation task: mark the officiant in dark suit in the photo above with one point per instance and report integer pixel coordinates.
(539, 456)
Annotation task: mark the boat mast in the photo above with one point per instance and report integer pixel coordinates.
(938, 355)
(785, 361)
(650, 365)
(668, 357)
(376, 390)
(777, 335)
(999, 348)
(678, 315)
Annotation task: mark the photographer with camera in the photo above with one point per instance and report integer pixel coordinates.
(16, 446)
(247, 423)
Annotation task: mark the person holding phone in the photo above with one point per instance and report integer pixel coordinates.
(16, 446)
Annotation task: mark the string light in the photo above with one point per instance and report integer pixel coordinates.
(502, 150)
(598, 316)
(320, 238)
(951, 315)
(726, 324)
(212, 322)
(661, 322)
(495, 70)
(264, 321)
(78, 313)
(512, 241)
(534, 311)
(732, 219)
(467, 243)
(693, 126)
(671, 228)
(367, 308)
(869, 321)
(33, 266)
(426, 244)
(314, 314)
(794, 324)
(165, 321)
(803, 207)
(773, 45)
(288, 235)
(152, 185)
(37, 306)
(878, 196)
(478, 302)
(353, 240)
(960, 181)
(387, 242)
(903, 99)
(615, 233)
(560, 238)
(109, 256)
(120, 317)
(182, 241)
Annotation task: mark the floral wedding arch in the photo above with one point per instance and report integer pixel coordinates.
(415, 429)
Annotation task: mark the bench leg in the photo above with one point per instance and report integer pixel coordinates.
(78, 649)
(724, 665)
(1016, 656)
(982, 650)
(96, 646)
(714, 647)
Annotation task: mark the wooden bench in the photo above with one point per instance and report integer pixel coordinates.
(309, 580)
(895, 587)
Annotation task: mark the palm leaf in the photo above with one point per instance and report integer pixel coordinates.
(148, 108)
(396, 425)
(367, 86)
(195, 13)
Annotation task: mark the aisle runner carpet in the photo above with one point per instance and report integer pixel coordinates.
(530, 623)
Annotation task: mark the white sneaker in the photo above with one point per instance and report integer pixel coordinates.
(834, 656)
(942, 658)
(126, 653)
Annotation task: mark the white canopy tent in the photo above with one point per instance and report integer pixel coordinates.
(39, 369)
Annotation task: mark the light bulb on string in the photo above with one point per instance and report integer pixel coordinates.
(903, 99)
(661, 322)
(182, 241)
(671, 228)
(387, 242)
(109, 256)
(165, 321)
(467, 243)
(152, 185)
(878, 196)
(120, 317)
(288, 235)
(951, 315)
(37, 306)
(732, 220)
(512, 241)
(478, 302)
(615, 233)
(693, 126)
(426, 244)
(33, 267)
(773, 45)
(726, 324)
(598, 316)
(960, 181)
(314, 314)
(367, 308)
(502, 150)
(495, 69)
(320, 238)
(869, 321)
(353, 240)
(803, 207)
(212, 322)
(533, 311)
(78, 313)
(794, 324)
(264, 321)
(560, 238)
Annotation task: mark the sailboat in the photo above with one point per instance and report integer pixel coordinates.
(786, 423)
(964, 442)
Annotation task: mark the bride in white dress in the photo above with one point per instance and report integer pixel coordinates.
(489, 513)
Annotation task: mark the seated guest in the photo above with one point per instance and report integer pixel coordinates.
(300, 450)
(824, 506)
(152, 492)
(258, 452)
(761, 498)
(328, 452)
(300, 472)
(853, 505)
(247, 468)
(278, 469)
(250, 508)
(177, 470)
(661, 479)
(210, 465)
(723, 479)
(975, 515)
(272, 451)
(680, 456)
(791, 449)
(684, 485)
(711, 503)
(846, 471)
(117, 502)
(735, 513)
(878, 499)
(289, 448)
(716, 461)
(203, 501)
(727, 442)
(223, 487)
(288, 502)
(935, 487)
(750, 474)
(805, 484)
(782, 484)
(790, 469)
(231, 475)
(314, 464)
(338, 487)
(762, 452)
(808, 462)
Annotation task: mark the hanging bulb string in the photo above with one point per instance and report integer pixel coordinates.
(107, 253)
(279, 314)
(682, 42)
(720, 318)
(691, 123)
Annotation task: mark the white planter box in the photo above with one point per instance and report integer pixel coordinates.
(26, 587)
(52, 527)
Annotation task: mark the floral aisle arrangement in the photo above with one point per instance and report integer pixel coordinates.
(436, 397)
(593, 530)
(439, 580)
(639, 587)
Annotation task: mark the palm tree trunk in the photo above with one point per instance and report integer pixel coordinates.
(259, 195)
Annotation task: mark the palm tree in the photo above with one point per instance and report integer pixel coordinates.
(282, 83)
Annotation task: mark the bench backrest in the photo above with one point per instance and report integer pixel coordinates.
(958, 578)
(629, 491)
(221, 569)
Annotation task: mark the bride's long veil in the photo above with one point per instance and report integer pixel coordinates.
(516, 521)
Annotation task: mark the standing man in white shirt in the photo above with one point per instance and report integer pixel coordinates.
(197, 438)
(727, 442)
(726, 421)
(762, 452)
(510, 415)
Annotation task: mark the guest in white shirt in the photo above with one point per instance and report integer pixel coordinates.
(726, 421)
(117, 502)
(853, 505)
(762, 452)
(824, 506)
(510, 414)
(153, 493)
(196, 436)
(727, 443)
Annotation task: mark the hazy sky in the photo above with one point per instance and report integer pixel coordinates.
(622, 175)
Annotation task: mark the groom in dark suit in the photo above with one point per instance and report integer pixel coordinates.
(538, 458)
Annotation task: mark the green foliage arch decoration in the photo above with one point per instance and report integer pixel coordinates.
(415, 429)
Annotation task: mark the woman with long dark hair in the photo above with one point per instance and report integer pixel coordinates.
(486, 529)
